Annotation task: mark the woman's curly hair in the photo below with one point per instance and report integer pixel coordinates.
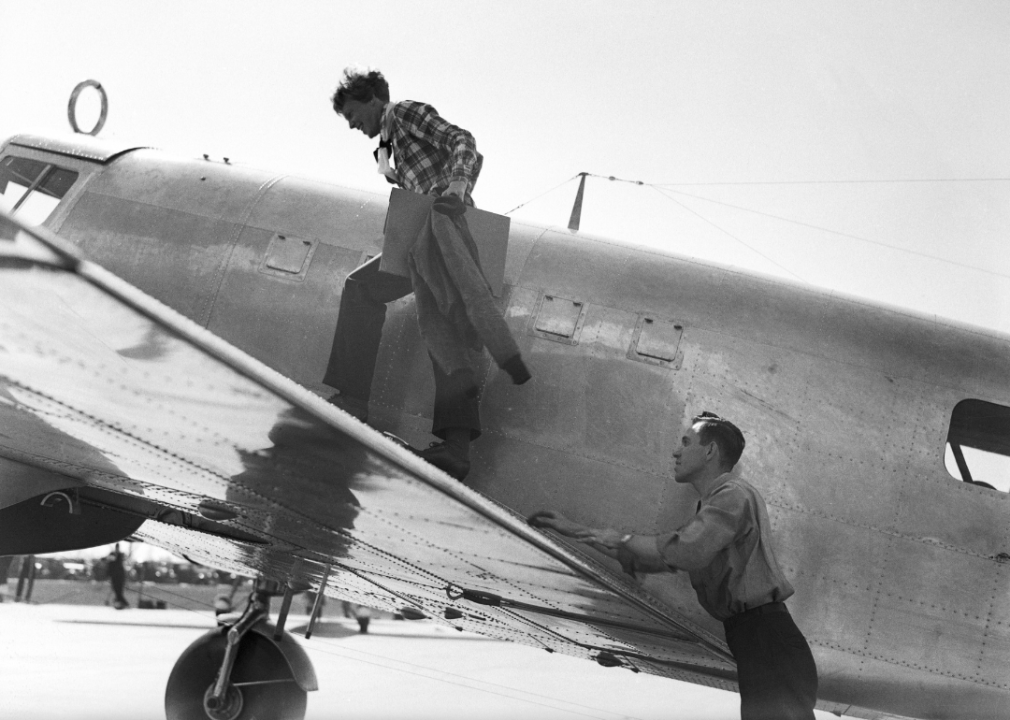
(360, 85)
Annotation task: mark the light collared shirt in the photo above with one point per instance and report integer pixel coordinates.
(428, 151)
(726, 550)
(382, 155)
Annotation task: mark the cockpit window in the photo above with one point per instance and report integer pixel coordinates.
(978, 444)
(32, 189)
(16, 176)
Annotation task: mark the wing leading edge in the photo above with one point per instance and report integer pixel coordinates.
(158, 417)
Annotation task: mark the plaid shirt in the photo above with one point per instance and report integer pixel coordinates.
(429, 152)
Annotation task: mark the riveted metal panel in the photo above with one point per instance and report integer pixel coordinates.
(580, 422)
(558, 319)
(195, 187)
(823, 559)
(656, 342)
(981, 528)
(331, 215)
(940, 614)
(996, 634)
(177, 257)
(765, 310)
(853, 420)
(288, 257)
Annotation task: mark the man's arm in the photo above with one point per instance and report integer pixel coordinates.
(424, 122)
(636, 553)
(695, 545)
(692, 547)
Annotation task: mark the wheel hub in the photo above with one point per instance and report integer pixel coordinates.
(227, 708)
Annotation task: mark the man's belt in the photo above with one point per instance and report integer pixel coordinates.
(772, 607)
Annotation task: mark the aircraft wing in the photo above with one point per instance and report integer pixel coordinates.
(234, 465)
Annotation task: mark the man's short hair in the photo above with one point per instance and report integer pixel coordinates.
(360, 85)
(723, 433)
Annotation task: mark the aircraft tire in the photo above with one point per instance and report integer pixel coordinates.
(258, 660)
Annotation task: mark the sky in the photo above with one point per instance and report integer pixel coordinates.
(857, 146)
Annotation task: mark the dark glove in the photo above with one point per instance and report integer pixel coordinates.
(627, 560)
(516, 369)
(449, 205)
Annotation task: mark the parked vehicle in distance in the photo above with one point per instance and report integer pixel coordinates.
(152, 571)
(192, 574)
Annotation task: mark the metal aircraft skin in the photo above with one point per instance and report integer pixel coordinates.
(199, 435)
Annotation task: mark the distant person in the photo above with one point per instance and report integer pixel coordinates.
(362, 614)
(5, 566)
(26, 580)
(422, 152)
(726, 550)
(117, 578)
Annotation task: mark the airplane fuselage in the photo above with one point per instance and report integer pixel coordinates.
(901, 573)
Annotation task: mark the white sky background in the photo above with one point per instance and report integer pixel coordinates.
(719, 102)
(682, 94)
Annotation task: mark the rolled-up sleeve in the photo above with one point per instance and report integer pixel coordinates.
(429, 126)
(695, 545)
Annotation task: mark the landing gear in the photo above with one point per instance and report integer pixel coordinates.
(261, 682)
(241, 673)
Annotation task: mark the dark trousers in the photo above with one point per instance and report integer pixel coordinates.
(117, 578)
(26, 579)
(775, 668)
(356, 346)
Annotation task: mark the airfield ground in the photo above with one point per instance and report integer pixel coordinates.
(87, 661)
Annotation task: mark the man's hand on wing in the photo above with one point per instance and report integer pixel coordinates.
(605, 540)
(553, 520)
(602, 539)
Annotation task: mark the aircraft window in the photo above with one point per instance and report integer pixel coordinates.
(16, 176)
(978, 444)
(44, 199)
(33, 189)
(57, 183)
